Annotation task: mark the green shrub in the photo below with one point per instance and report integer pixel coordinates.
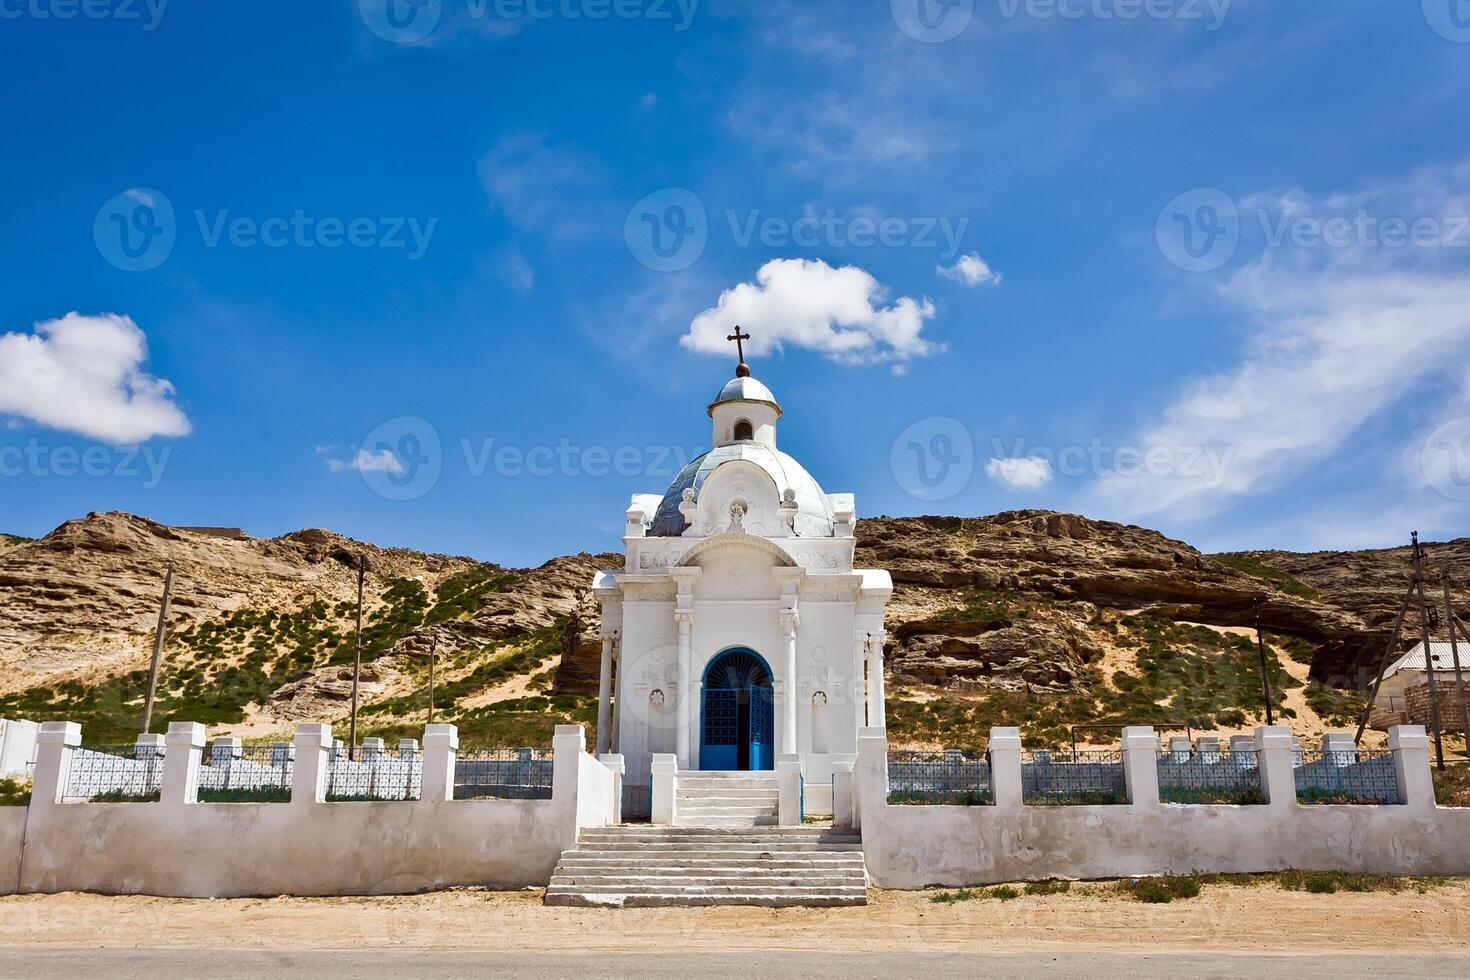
(1052, 886)
(14, 793)
(1164, 889)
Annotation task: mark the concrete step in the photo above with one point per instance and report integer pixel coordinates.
(737, 888)
(732, 793)
(816, 859)
(768, 834)
(575, 899)
(740, 882)
(728, 850)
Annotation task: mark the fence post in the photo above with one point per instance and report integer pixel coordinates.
(1005, 768)
(1140, 749)
(788, 787)
(313, 753)
(55, 749)
(619, 769)
(1275, 754)
(843, 809)
(184, 745)
(665, 770)
(1410, 747)
(441, 746)
(870, 777)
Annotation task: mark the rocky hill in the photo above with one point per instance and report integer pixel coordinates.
(1033, 618)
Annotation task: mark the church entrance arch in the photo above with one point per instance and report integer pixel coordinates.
(739, 713)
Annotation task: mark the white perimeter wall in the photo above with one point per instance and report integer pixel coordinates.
(918, 846)
(305, 847)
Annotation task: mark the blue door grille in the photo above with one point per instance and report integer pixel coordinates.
(739, 714)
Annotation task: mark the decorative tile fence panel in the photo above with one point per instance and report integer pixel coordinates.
(1354, 776)
(948, 777)
(1080, 779)
(1210, 776)
(232, 773)
(114, 774)
(503, 774)
(375, 776)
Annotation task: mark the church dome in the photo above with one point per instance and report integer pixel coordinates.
(814, 512)
(745, 389)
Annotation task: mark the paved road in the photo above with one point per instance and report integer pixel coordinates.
(93, 964)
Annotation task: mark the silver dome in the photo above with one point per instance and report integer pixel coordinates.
(745, 390)
(814, 512)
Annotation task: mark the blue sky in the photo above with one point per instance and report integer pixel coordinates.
(1194, 264)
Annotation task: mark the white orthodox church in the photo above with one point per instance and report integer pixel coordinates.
(738, 631)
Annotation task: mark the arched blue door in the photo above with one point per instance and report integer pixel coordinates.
(739, 713)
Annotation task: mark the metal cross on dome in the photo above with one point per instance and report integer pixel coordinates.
(740, 339)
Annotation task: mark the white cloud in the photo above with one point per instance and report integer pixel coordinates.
(809, 304)
(1342, 335)
(1023, 473)
(381, 461)
(84, 374)
(971, 270)
(545, 188)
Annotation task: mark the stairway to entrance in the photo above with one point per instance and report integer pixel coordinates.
(727, 799)
(774, 867)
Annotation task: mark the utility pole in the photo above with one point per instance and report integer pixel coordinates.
(1265, 675)
(158, 638)
(357, 659)
(1449, 616)
(433, 655)
(1388, 658)
(1428, 654)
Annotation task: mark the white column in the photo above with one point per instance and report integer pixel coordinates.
(877, 714)
(1005, 769)
(1274, 756)
(1410, 746)
(683, 707)
(790, 620)
(184, 744)
(604, 697)
(313, 755)
(441, 746)
(1140, 750)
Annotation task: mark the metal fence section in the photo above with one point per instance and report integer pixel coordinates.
(375, 776)
(1352, 776)
(1210, 776)
(232, 773)
(637, 803)
(114, 774)
(948, 777)
(503, 774)
(1076, 779)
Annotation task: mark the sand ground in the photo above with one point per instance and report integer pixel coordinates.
(1094, 918)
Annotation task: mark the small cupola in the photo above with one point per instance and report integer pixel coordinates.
(745, 410)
